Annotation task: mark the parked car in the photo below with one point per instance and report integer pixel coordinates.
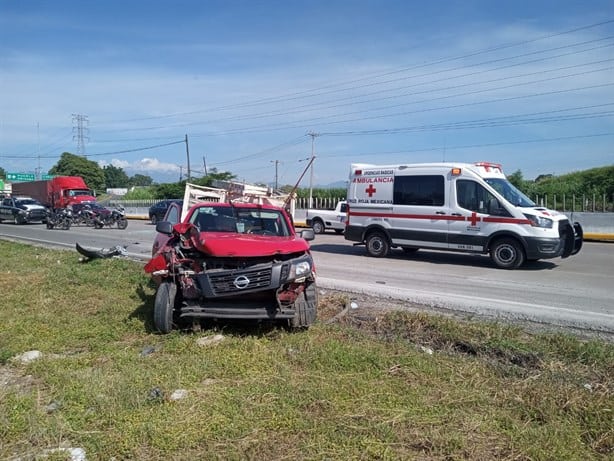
(158, 210)
(21, 210)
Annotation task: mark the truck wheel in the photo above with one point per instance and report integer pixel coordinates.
(164, 306)
(154, 219)
(122, 223)
(377, 245)
(318, 226)
(507, 253)
(18, 219)
(305, 307)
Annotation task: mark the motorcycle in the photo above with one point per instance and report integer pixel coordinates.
(117, 217)
(59, 219)
(85, 216)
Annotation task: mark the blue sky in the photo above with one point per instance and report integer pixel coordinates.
(529, 84)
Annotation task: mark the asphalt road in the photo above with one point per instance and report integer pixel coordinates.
(572, 293)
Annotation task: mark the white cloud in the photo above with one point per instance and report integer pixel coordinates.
(144, 165)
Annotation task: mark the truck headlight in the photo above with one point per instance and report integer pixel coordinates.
(539, 221)
(300, 269)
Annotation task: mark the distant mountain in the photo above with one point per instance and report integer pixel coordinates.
(333, 185)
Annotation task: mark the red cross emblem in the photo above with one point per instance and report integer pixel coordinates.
(474, 218)
(370, 190)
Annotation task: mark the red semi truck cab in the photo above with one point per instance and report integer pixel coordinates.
(69, 190)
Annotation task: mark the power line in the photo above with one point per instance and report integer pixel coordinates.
(468, 146)
(309, 93)
(104, 153)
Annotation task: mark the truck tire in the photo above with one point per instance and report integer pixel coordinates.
(164, 307)
(377, 244)
(507, 253)
(18, 219)
(318, 226)
(305, 306)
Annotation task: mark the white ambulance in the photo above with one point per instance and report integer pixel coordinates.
(454, 207)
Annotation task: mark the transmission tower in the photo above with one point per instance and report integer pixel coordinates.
(80, 128)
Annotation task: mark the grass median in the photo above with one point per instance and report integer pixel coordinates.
(358, 384)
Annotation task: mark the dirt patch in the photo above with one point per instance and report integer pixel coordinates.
(13, 380)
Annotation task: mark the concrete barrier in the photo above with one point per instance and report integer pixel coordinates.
(596, 226)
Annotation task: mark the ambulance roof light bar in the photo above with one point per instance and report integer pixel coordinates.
(488, 165)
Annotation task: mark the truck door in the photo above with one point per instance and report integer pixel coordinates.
(420, 210)
(478, 215)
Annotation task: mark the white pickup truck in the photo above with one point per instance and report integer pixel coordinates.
(321, 220)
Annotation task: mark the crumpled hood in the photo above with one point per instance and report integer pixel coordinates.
(222, 244)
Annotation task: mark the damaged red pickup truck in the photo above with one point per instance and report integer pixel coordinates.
(233, 261)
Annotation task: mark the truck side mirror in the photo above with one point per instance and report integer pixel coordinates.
(307, 234)
(164, 227)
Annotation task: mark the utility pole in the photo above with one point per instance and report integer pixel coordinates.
(187, 152)
(276, 163)
(81, 130)
(205, 165)
(313, 137)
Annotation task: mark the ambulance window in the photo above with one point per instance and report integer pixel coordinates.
(419, 190)
(474, 197)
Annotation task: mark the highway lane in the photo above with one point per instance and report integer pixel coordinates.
(574, 292)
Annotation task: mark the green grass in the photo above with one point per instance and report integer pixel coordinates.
(355, 388)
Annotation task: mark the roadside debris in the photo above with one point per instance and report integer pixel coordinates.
(89, 253)
(210, 340)
(178, 394)
(148, 350)
(28, 356)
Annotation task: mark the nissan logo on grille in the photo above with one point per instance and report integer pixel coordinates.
(241, 282)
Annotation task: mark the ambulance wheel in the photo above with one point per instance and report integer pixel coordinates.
(507, 253)
(377, 245)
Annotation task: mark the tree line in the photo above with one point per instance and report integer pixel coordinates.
(597, 182)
